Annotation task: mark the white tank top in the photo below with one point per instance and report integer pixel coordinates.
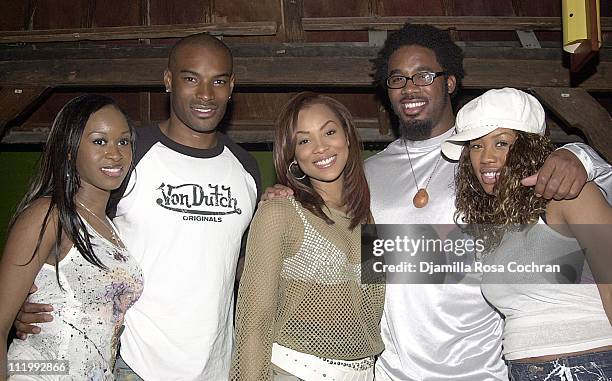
(88, 313)
(545, 313)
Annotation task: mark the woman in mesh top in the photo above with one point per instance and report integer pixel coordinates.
(556, 326)
(303, 313)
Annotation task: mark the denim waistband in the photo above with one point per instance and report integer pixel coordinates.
(598, 365)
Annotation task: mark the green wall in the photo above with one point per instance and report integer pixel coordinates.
(16, 169)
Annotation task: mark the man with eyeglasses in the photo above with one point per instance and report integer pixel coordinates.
(440, 331)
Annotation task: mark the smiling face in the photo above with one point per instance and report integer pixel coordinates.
(488, 156)
(424, 111)
(201, 81)
(105, 151)
(321, 148)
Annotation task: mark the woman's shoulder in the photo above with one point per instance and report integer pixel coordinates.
(279, 205)
(25, 234)
(35, 212)
(589, 206)
(276, 211)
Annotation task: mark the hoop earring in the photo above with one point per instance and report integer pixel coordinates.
(292, 171)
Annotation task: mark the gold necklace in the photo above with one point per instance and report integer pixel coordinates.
(421, 198)
(116, 240)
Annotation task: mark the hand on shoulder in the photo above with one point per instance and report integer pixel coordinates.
(562, 176)
(276, 191)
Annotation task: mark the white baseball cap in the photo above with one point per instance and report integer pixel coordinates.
(498, 108)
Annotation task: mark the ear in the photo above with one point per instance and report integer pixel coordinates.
(232, 78)
(451, 83)
(168, 78)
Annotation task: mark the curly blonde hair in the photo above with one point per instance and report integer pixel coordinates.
(511, 205)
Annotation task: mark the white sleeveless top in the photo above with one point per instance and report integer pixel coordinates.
(88, 312)
(545, 313)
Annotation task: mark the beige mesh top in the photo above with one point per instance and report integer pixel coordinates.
(301, 288)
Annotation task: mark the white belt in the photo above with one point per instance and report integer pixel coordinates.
(313, 368)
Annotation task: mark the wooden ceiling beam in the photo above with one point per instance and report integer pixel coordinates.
(474, 23)
(490, 49)
(15, 100)
(293, 12)
(259, 28)
(482, 73)
(578, 109)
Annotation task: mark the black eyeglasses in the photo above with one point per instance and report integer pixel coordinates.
(422, 78)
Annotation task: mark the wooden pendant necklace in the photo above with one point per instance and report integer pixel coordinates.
(421, 198)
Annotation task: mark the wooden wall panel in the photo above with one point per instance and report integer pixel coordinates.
(45, 114)
(530, 8)
(412, 8)
(483, 8)
(361, 105)
(251, 107)
(264, 107)
(248, 10)
(326, 8)
(337, 36)
(106, 13)
(13, 15)
(61, 14)
(606, 8)
(16, 102)
(546, 8)
(160, 106)
(606, 11)
(165, 12)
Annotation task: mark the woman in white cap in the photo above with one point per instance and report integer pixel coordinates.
(553, 331)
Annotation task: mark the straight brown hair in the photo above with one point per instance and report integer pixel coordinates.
(355, 191)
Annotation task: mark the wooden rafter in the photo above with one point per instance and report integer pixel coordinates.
(87, 21)
(289, 65)
(259, 28)
(293, 11)
(144, 98)
(473, 23)
(30, 12)
(578, 109)
(15, 100)
(448, 6)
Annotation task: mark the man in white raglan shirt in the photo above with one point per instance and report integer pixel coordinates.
(182, 212)
(441, 331)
